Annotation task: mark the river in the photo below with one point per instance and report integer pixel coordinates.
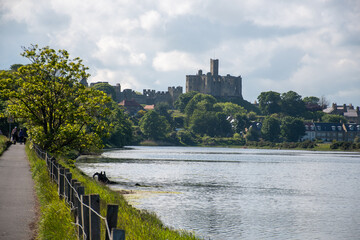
(233, 193)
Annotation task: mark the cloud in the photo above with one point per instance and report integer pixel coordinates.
(311, 47)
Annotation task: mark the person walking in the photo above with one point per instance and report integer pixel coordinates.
(14, 135)
(21, 136)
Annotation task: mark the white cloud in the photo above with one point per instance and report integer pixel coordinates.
(150, 20)
(174, 61)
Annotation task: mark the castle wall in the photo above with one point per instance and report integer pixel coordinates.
(214, 84)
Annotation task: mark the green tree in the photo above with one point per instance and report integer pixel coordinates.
(183, 100)
(106, 88)
(270, 129)
(241, 122)
(230, 109)
(59, 112)
(163, 109)
(269, 102)
(292, 104)
(201, 101)
(311, 100)
(333, 118)
(154, 126)
(292, 129)
(120, 133)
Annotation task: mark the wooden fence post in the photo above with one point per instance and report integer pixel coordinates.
(67, 185)
(117, 234)
(76, 200)
(72, 192)
(94, 218)
(61, 182)
(85, 199)
(111, 218)
(81, 191)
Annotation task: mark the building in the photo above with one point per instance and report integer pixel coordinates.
(131, 106)
(348, 111)
(148, 97)
(331, 131)
(213, 84)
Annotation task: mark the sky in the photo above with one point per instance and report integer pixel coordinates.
(311, 47)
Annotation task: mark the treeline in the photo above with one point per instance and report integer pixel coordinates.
(200, 119)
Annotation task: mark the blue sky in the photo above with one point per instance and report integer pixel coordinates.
(308, 46)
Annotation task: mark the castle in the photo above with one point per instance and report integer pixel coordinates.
(148, 97)
(212, 83)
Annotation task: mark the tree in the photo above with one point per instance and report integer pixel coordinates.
(200, 101)
(163, 109)
(59, 112)
(183, 100)
(269, 102)
(120, 133)
(154, 126)
(270, 129)
(311, 100)
(241, 122)
(333, 118)
(230, 109)
(292, 104)
(292, 129)
(106, 88)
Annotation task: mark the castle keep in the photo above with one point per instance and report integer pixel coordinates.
(212, 83)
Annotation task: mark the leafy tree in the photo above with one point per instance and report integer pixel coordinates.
(121, 127)
(292, 129)
(154, 126)
(333, 118)
(106, 88)
(252, 134)
(183, 100)
(270, 129)
(15, 67)
(292, 104)
(163, 109)
(201, 101)
(230, 109)
(241, 122)
(269, 102)
(59, 112)
(311, 100)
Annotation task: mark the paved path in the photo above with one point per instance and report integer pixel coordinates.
(17, 199)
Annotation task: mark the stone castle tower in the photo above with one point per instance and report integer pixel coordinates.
(213, 84)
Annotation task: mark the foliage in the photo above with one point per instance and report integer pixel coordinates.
(183, 100)
(154, 126)
(345, 145)
(241, 123)
(292, 129)
(185, 137)
(106, 88)
(55, 219)
(120, 133)
(203, 102)
(292, 104)
(269, 102)
(333, 118)
(59, 112)
(311, 100)
(163, 109)
(252, 134)
(270, 130)
(230, 109)
(4, 143)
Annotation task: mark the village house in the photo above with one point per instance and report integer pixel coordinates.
(331, 131)
(348, 111)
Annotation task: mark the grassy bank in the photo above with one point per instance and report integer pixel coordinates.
(55, 218)
(138, 224)
(4, 143)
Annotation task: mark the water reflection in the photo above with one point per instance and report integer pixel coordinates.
(226, 193)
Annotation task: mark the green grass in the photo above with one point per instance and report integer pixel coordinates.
(4, 143)
(137, 224)
(55, 218)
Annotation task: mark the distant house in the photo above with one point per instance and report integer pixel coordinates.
(348, 111)
(331, 131)
(149, 107)
(131, 106)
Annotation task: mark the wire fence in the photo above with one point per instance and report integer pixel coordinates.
(86, 208)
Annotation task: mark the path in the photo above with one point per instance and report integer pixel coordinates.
(17, 199)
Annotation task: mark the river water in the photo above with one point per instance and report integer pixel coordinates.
(229, 193)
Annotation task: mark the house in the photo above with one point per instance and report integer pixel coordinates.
(348, 111)
(131, 106)
(331, 131)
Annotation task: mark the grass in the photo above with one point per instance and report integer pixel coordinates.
(138, 224)
(55, 217)
(4, 143)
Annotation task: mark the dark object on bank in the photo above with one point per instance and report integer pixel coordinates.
(101, 177)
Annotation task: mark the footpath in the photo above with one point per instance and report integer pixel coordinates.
(17, 196)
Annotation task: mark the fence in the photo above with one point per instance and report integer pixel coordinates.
(86, 208)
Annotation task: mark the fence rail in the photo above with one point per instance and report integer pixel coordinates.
(86, 208)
